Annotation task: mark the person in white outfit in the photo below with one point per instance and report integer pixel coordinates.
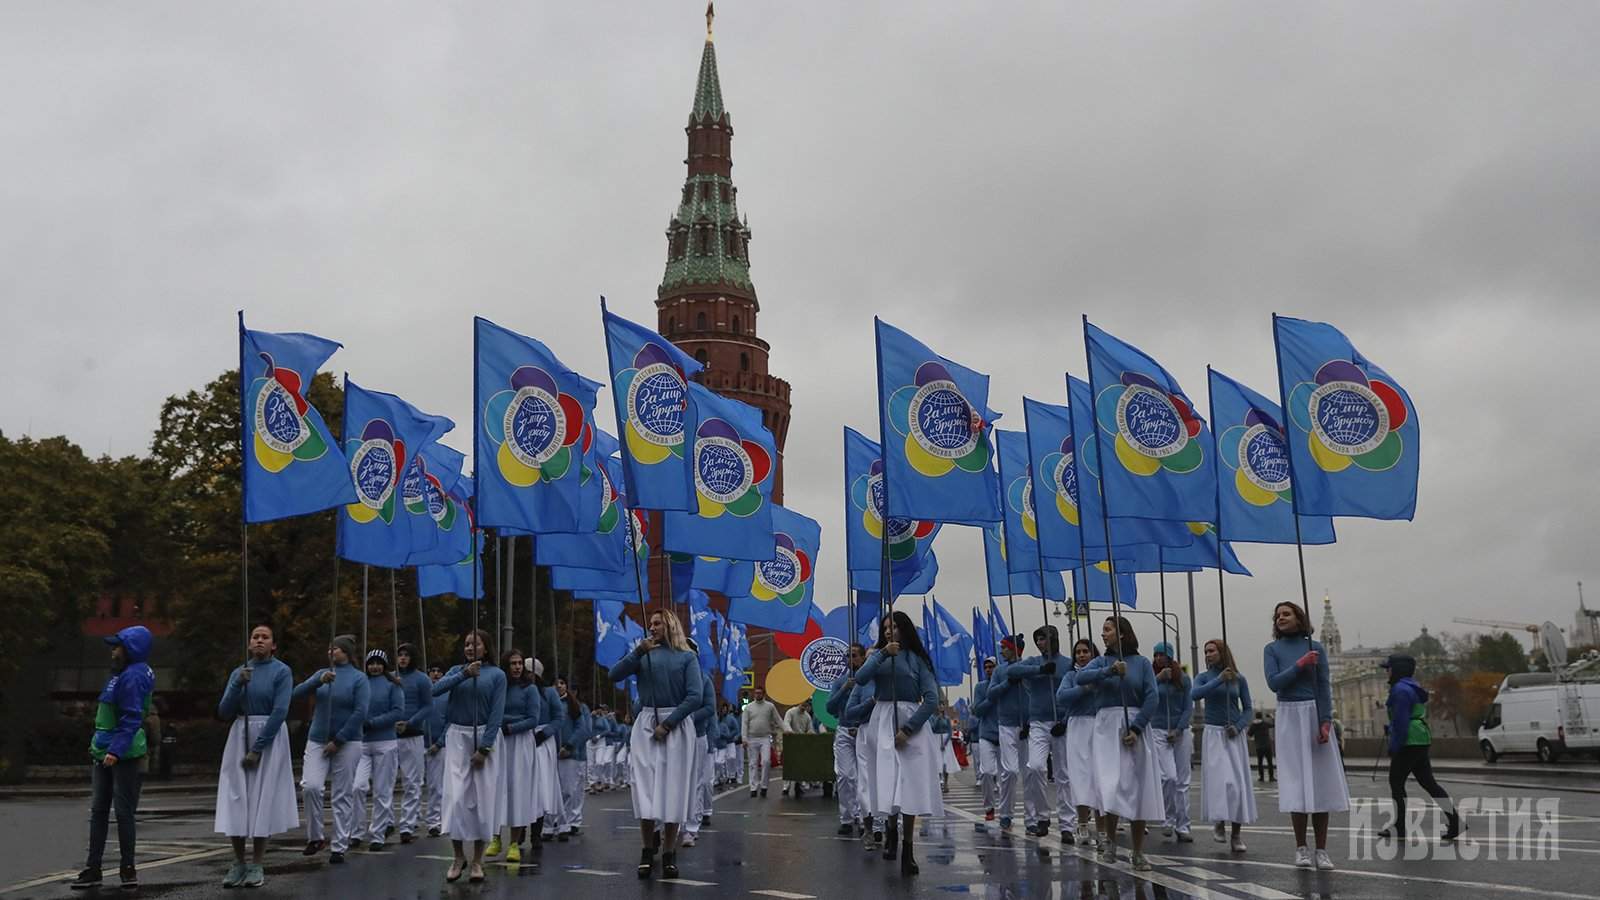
(1125, 770)
(411, 745)
(1011, 709)
(333, 747)
(433, 758)
(796, 720)
(1039, 677)
(844, 746)
(375, 773)
(1172, 730)
(1225, 789)
(1311, 782)
(255, 787)
(758, 724)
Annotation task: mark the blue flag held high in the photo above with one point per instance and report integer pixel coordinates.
(934, 421)
(910, 540)
(1255, 501)
(650, 387)
(1092, 584)
(951, 646)
(1352, 430)
(779, 596)
(1205, 553)
(291, 464)
(604, 548)
(1084, 452)
(997, 622)
(1021, 522)
(381, 433)
(734, 457)
(982, 636)
(1021, 584)
(457, 577)
(1155, 453)
(610, 641)
(427, 491)
(1054, 483)
(587, 581)
(533, 431)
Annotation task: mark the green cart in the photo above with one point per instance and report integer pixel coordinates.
(809, 757)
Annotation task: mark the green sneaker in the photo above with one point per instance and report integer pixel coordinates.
(254, 876)
(234, 876)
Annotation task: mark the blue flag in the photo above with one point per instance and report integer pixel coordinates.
(910, 540)
(919, 582)
(733, 474)
(1098, 588)
(1155, 452)
(650, 387)
(982, 636)
(381, 433)
(1352, 430)
(610, 641)
(606, 547)
(997, 622)
(1202, 554)
(1254, 498)
(1026, 584)
(701, 620)
(427, 490)
(292, 466)
(1054, 482)
(532, 432)
(1084, 454)
(951, 648)
(457, 577)
(934, 421)
(779, 592)
(1021, 521)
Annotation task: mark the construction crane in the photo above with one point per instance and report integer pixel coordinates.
(1497, 623)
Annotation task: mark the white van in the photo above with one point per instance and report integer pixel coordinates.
(1535, 713)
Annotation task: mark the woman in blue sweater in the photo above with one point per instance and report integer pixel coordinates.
(905, 775)
(1080, 704)
(516, 754)
(255, 789)
(474, 792)
(1126, 772)
(1225, 791)
(1310, 772)
(333, 748)
(661, 748)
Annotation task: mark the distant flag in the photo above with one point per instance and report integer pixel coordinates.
(426, 493)
(604, 548)
(982, 634)
(1027, 584)
(1021, 521)
(997, 622)
(1156, 457)
(734, 463)
(1093, 585)
(934, 422)
(1054, 483)
(610, 642)
(291, 464)
(650, 387)
(457, 577)
(532, 432)
(701, 620)
(910, 540)
(382, 431)
(779, 596)
(1353, 433)
(953, 646)
(1255, 501)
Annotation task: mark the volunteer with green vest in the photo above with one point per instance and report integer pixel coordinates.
(1409, 742)
(118, 749)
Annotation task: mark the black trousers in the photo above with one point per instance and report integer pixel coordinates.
(115, 788)
(1266, 764)
(1411, 761)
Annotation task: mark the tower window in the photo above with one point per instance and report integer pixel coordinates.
(705, 241)
(736, 325)
(700, 323)
(724, 193)
(744, 362)
(705, 190)
(672, 323)
(700, 355)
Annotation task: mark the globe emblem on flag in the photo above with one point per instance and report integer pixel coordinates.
(1351, 419)
(536, 427)
(824, 662)
(656, 399)
(413, 488)
(728, 470)
(377, 459)
(1264, 459)
(439, 506)
(278, 422)
(899, 526)
(1063, 480)
(535, 424)
(1019, 495)
(608, 504)
(282, 431)
(1147, 420)
(1155, 428)
(782, 578)
(943, 432)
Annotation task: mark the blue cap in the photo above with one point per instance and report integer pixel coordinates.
(1163, 648)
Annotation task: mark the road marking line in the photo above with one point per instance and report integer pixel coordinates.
(769, 833)
(187, 857)
(1389, 876)
(1197, 872)
(688, 881)
(593, 872)
(785, 895)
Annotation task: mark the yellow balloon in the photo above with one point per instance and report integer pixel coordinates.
(786, 684)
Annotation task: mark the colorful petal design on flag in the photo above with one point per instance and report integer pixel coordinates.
(610, 509)
(866, 495)
(1153, 429)
(1350, 418)
(1063, 481)
(278, 409)
(1019, 495)
(728, 470)
(942, 429)
(782, 578)
(377, 458)
(534, 427)
(656, 394)
(1258, 454)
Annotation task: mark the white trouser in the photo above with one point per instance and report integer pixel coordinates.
(1173, 761)
(571, 774)
(1013, 759)
(340, 768)
(700, 799)
(433, 786)
(375, 775)
(988, 771)
(409, 758)
(1043, 745)
(844, 775)
(759, 758)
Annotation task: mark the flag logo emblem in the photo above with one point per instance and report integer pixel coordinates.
(376, 461)
(824, 662)
(1351, 418)
(1019, 494)
(1154, 429)
(534, 425)
(282, 434)
(1259, 456)
(608, 503)
(727, 470)
(866, 494)
(657, 395)
(942, 429)
(784, 576)
(1063, 481)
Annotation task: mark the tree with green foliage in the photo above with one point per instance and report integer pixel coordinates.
(1500, 653)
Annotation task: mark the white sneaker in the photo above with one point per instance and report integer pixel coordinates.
(1237, 846)
(1302, 857)
(1220, 833)
(1324, 861)
(687, 840)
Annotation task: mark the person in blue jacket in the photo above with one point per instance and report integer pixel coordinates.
(1011, 708)
(1080, 704)
(1039, 676)
(863, 700)
(411, 743)
(661, 748)
(987, 760)
(474, 792)
(704, 720)
(1311, 780)
(906, 777)
(731, 766)
(1172, 730)
(572, 720)
(333, 746)
(255, 788)
(1225, 790)
(547, 804)
(1126, 773)
(1409, 740)
(433, 766)
(386, 703)
(844, 744)
(118, 749)
(521, 716)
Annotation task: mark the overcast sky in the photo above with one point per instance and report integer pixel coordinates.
(1422, 175)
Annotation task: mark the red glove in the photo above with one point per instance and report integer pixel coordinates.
(1307, 661)
(1322, 732)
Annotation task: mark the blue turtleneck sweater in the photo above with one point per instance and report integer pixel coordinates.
(271, 685)
(341, 708)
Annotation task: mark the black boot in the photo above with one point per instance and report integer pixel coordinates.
(669, 865)
(908, 862)
(1452, 827)
(1396, 829)
(891, 839)
(647, 861)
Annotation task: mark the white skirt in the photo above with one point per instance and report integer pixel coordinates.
(257, 802)
(904, 781)
(516, 753)
(1080, 762)
(1225, 786)
(1310, 775)
(1128, 778)
(474, 799)
(866, 764)
(948, 761)
(546, 780)
(663, 771)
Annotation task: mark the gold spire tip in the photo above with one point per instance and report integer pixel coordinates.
(711, 13)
